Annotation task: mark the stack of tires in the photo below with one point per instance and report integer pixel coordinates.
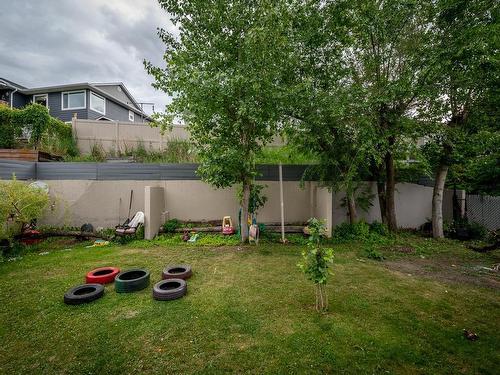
(174, 284)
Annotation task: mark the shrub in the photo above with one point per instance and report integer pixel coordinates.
(35, 119)
(9, 127)
(171, 225)
(58, 139)
(372, 253)
(379, 228)
(351, 232)
(97, 152)
(477, 231)
(463, 229)
(20, 204)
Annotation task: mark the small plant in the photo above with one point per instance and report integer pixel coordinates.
(315, 262)
(373, 254)
(97, 152)
(171, 225)
(19, 206)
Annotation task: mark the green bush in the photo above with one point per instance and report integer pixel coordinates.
(58, 139)
(35, 119)
(351, 232)
(477, 231)
(473, 230)
(372, 253)
(45, 133)
(10, 128)
(20, 204)
(171, 225)
(379, 228)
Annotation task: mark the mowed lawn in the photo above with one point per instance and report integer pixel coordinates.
(250, 310)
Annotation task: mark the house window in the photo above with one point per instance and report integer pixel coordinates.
(74, 100)
(97, 103)
(42, 99)
(131, 116)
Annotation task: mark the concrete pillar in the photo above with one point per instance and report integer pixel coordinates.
(323, 207)
(312, 198)
(154, 205)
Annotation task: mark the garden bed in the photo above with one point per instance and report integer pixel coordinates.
(27, 155)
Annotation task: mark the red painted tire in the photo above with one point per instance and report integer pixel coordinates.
(103, 275)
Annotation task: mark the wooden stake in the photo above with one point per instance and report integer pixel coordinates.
(281, 204)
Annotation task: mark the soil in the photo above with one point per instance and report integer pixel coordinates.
(448, 270)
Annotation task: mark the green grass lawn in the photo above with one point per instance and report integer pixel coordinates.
(250, 310)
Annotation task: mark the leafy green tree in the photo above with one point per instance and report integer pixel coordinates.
(223, 71)
(315, 261)
(326, 115)
(388, 60)
(466, 43)
(362, 68)
(20, 204)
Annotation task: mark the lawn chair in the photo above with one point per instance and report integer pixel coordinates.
(131, 226)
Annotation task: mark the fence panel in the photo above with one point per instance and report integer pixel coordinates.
(484, 209)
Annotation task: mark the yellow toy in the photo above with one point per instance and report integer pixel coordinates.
(227, 225)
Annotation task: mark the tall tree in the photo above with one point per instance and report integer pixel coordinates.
(388, 59)
(466, 45)
(223, 71)
(326, 114)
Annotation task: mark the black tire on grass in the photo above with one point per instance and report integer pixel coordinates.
(132, 280)
(177, 271)
(169, 289)
(83, 293)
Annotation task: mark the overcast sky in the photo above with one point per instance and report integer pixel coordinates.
(50, 42)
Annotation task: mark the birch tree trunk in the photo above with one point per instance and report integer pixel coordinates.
(380, 191)
(244, 212)
(437, 201)
(390, 193)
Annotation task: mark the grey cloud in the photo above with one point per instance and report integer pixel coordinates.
(47, 42)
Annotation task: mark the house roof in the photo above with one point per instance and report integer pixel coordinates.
(132, 105)
(6, 83)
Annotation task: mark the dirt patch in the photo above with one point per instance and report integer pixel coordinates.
(448, 270)
(401, 249)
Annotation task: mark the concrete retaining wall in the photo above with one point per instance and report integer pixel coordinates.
(105, 203)
(413, 206)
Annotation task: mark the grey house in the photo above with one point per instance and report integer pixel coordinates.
(89, 101)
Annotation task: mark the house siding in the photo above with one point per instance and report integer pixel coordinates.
(119, 94)
(55, 108)
(19, 100)
(114, 111)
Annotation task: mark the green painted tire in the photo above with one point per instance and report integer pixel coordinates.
(132, 280)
